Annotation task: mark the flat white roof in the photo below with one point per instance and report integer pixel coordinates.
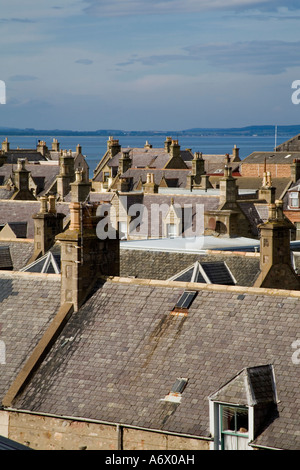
(192, 244)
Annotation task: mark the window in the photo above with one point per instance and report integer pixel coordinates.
(175, 393)
(186, 299)
(171, 231)
(122, 230)
(294, 200)
(233, 427)
(105, 176)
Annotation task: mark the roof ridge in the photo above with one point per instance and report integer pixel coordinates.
(207, 287)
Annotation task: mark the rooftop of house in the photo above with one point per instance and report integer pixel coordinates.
(22, 211)
(20, 251)
(118, 358)
(28, 304)
(32, 155)
(275, 157)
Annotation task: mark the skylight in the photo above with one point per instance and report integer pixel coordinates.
(186, 299)
(176, 391)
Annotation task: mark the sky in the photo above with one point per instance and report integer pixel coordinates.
(148, 64)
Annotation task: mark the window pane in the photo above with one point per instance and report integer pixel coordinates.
(171, 230)
(234, 419)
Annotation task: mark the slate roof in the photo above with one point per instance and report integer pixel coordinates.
(119, 356)
(285, 158)
(145, 157)
(22, 325)
(18, 228)
(22, 211)
(6, 192)
(255, 183)
(5, 258)
(174, 178)
(43, 174)
(31, 155)
(20, 252)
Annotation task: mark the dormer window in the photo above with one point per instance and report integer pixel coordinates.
(234, 427)
(242, 407)
(294, 200)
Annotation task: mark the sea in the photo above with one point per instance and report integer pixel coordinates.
(94, 147)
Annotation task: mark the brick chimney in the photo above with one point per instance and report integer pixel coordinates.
(276, 270)
(84, 256)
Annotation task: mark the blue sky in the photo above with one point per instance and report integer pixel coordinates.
(141, 64)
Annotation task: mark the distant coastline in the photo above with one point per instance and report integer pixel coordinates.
(255, 131)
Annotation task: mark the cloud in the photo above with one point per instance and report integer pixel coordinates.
(254, 57)
(84, 61)
(22, 78)
(16, 20)
(142, 7)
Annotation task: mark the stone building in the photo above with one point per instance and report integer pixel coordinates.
(110, 362)
(170, 167)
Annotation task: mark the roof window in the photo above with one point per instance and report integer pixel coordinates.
(183, 303)
(176, 391)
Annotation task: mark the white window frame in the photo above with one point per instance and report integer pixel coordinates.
(216, 424)
(294, 196)
(174, 232)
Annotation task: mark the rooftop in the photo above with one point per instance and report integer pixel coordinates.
(120, 355)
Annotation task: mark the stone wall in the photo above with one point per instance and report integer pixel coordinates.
(50, 433)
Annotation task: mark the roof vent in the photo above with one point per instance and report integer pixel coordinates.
(176, 391)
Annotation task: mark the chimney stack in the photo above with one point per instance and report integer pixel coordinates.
(295, 170)
(168, 142)
(228, 190)
(80, 189)
(55, 145)
(113, 146)
(42, 147)
(276, 269)
(236, 154)
(21, 180)
(150, 187)
(124, 162)
(47, 224)
(84, 256)
(5, 145)
(66, 175)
